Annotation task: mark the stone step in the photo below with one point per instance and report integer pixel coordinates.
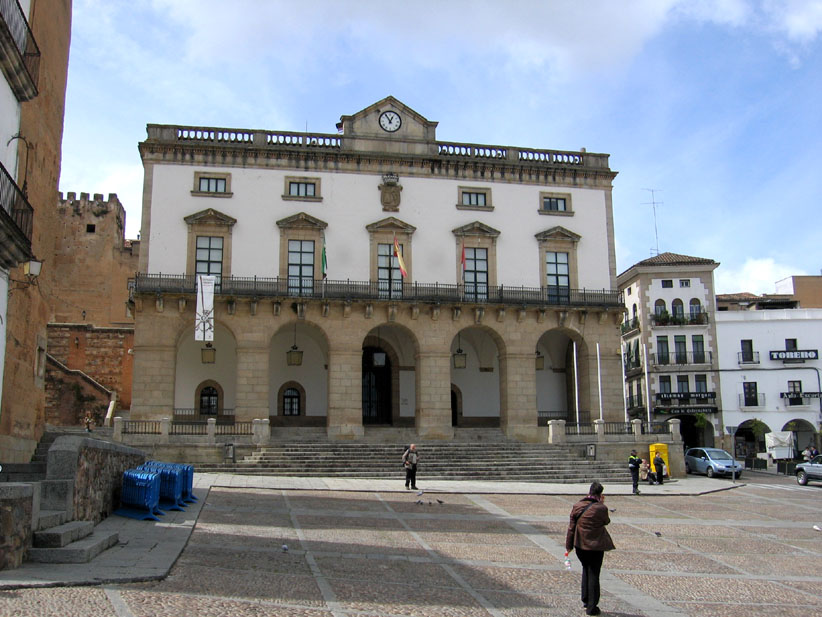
(62, 535)
(50, 518)
(23, 472)
(81, 551)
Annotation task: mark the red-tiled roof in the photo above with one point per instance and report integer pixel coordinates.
(674, 259)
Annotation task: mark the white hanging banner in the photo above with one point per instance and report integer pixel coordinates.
(204, 318)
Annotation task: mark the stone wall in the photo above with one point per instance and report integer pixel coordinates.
(101, 353)
(93, 471)
(71, 395)
(15, 523)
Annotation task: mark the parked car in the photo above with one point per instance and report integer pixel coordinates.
(712, 462)
(809, 470)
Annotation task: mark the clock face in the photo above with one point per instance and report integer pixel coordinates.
(390, 121)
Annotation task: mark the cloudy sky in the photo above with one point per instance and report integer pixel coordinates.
(713, 104)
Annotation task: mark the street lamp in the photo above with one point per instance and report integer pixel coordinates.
(731, 430)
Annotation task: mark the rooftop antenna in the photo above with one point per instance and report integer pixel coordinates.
(654, 203)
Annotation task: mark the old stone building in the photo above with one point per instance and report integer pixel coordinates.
(34, 48)
(374, 279)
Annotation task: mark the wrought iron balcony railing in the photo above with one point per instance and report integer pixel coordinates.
(679, 358)
(751, 400)
(634, 402)
(679, 319)
(434, 293)
(19, 54)
(14, 203)
(747, 357)
(632, 363)
(630, 325)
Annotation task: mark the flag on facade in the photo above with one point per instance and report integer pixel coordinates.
(397, 254)
(204, 315)
(325, 261)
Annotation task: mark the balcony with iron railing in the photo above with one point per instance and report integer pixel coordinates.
(747, 357)
(631, 363)
(631, 325)
(634, 402)
(434, 293)
(16, 217)
(681, 358)
(751, 400)
(679, 319)
(19, 53)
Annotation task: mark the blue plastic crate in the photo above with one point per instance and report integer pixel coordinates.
(140, 495)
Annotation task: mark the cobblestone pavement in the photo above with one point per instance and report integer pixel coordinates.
(748, 551)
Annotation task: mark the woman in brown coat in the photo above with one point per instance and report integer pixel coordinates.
(587, 534)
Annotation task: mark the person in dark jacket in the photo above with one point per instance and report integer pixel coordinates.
(633, 466)
(659, 467)
(409, 461)
(587, 534)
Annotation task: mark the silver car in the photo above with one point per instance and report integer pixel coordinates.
(809, 470)
(712, 462)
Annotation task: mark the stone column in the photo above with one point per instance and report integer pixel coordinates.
(599, 429)
(636, 425)
(165, 429)
(252, 383)
(118, 429)
(344, 394)
(433, 412)
(211, 431)
(518, 396)
(556, 431)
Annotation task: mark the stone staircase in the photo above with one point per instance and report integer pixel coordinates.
(498, 461)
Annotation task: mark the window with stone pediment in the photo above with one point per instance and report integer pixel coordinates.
(209, 243)
(558, 262)
(301, 245)
(476, 259)
(384, 265)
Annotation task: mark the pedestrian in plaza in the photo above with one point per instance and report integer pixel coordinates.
(806, 453)
(587, 535)
(814, 452)
(659, 468)
(409, 460)
(633, 466)
(645, 472)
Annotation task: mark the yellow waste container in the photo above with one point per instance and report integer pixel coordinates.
(662, 448)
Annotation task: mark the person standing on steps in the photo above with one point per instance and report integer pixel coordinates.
(633, 466)
(659, 467)
(409, 460)
(587, 534)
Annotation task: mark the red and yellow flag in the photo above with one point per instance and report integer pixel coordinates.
(397, 254)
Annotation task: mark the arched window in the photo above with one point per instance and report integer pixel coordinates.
(677, 308)
(209, 401)
(696, 308)
(291, 402)
(659, 307)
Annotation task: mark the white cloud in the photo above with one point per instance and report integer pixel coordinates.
(756, 276)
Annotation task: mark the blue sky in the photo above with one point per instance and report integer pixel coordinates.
(714, 104)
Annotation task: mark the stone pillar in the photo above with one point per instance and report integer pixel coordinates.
(518, 396)
(344, 394)
(211, 431)
(118, 429)
(599, 429)
(433, 412)
(556, 431)
(676, 432)
(252, 383)
(636, 425)
(165, 429)
(265, 431)
(153, 381)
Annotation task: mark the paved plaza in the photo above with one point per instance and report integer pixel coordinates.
(361, 548)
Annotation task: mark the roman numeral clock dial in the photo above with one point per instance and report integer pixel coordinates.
(390, 121)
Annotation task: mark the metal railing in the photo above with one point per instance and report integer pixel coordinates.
(679, 319)
(141, 427)
(14, 203)
(348, 290)
(236, 428)
(29, 52)
(583, 428)
(655, 428)
(189, 414)
(747, 357)
(618, 428)
(680, 358)
(189, 428)
(757, 400)
(630, 326)
(632, 363)
(634, 401)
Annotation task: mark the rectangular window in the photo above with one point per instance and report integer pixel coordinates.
(212, 185)
(473, 199)
(665, 384)
(682, 385)
(476, 274)
(662, 354)
(747, 350)
(684, 282)
(749, 394)
(679, 350)
(558, 277)
(667, 283)
(554, 204)
(700, 383)
(389, 277)
(301, 267)
(698, 344)
(795, 389)
(209, 256)
(302, 189)
(790, 344)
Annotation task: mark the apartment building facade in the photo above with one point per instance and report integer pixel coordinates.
(376, 277)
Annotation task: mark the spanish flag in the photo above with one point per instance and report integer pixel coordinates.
(397, 254)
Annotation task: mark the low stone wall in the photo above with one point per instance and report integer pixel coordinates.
(15, 523)
(91, 472)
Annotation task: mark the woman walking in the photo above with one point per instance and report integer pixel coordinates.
(587, 534)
